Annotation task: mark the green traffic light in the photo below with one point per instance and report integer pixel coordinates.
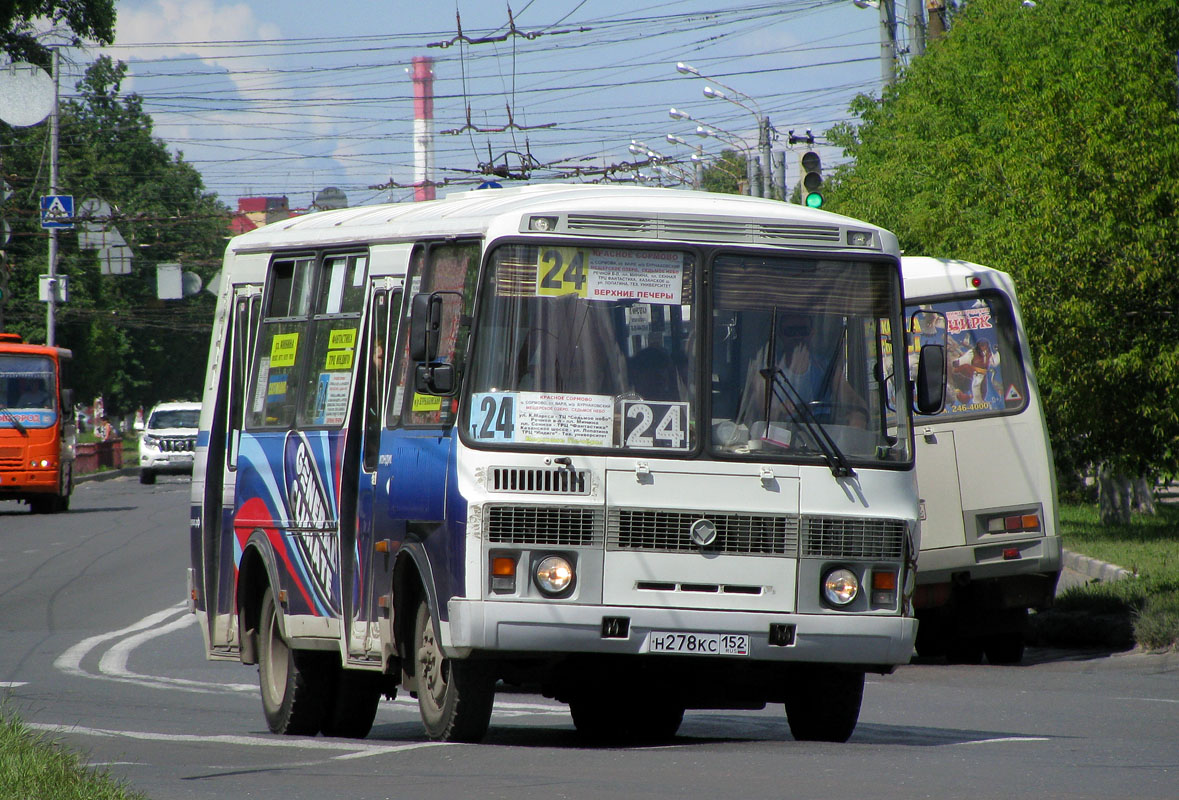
(814, 200)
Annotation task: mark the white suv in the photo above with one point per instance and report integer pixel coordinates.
(168, 440)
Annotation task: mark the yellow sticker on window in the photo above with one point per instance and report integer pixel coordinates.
(345, 338)
(338, 359)
(283, 348)
(426, 402)
(560, 271)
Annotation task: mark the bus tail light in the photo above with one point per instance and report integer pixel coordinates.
(1013, 523)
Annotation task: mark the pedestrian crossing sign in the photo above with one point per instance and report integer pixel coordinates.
(57, 211)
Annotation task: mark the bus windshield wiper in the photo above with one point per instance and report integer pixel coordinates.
(16, 423)
(786, 394)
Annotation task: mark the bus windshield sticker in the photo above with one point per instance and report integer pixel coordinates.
(338, 359)
(598, 273)
(283, 348)
(660, 426)
(648, 275)
(331, 398)
(423, 403)
(263, 384)
(583, 420)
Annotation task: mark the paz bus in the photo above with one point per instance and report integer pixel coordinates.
(990, 548)
(36, 425)
(559, 437)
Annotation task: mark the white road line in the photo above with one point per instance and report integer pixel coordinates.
(12, 684)
(1009, 739)
(1148, 699)
(348, 750)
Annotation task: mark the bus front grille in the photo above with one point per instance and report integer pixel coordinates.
(662, 531)
(560, 526)
(852, 537)
(539, 480)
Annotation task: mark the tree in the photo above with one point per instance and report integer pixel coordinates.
(1045, 141)
(128, 346)
(726, 174)
(85, 19)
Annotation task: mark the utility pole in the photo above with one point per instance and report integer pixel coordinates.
(51, 295)
(888, 44)
(767, 177)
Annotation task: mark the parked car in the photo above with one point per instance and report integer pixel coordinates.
(168, 441)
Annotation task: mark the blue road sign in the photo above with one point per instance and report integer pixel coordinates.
(57, 211)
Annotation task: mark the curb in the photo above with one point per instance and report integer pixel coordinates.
(1092, 568)
(105, 475)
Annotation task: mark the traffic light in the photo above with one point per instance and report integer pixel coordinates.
(812, 179)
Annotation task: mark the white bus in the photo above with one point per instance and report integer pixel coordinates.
(631, 447)
(990, 550)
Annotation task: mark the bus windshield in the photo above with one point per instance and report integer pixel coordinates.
(27, 383)
(597, 347)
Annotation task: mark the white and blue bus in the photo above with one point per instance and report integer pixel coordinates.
(637, 449)
(990, 547)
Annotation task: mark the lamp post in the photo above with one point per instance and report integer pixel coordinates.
(731, 95)
(729, 137)
(697, 158)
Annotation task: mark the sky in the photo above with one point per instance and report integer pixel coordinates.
(288, 98)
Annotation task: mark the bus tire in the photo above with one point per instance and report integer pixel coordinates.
(147, 476)
(454, 695)
(823, 704)
(354, 706)
(293, 682)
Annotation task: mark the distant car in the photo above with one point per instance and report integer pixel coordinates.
(168, 440)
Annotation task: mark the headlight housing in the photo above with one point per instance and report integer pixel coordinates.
(553, 575)
(150, 441)
(841, 587)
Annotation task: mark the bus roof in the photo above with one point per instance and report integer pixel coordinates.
(630, 212)
(932, 277)
(13, 345)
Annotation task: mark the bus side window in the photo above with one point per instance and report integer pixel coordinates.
(334, 340)
(385, 307)
(451, 267)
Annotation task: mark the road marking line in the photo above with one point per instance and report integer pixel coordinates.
(1009, 739)
(352, 750)
(1148, 699)
(12, 684)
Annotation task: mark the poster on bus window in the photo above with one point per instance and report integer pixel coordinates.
(584, 420)
(601, 273)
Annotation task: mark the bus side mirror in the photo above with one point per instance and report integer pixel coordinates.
(425, 325)
(67, 400)
(931, 379)
(435, 379)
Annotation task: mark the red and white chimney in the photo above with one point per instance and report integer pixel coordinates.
(423, 128)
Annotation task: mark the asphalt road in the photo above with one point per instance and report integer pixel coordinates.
(97, 651)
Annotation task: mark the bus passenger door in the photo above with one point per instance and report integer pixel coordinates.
(224, 439)
(938, 484)
(367, 570)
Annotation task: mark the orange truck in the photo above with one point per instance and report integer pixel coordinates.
(36, 425)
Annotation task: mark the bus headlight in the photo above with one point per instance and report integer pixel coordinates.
(553, 575)
(840, 586)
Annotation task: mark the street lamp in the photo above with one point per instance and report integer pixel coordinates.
(763, 122)
(697, 157)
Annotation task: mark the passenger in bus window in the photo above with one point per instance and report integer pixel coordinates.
(811, 365)
(33, 394)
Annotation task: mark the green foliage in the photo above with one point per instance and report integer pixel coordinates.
(128, 346)
(92, 20)
(726, 174)
(32, 767)
(1026, 141)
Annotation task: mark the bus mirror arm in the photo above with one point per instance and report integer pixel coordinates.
(67, 400)
(930, 395)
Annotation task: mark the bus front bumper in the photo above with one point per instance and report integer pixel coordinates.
(563, 628)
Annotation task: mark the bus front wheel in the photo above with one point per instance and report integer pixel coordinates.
(823, 704)
(294, 683)
(454, 695)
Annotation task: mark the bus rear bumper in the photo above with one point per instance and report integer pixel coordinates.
(552, 629)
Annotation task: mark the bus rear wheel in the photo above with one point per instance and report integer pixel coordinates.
(823, 704)
(294, 683)
(454, 695)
